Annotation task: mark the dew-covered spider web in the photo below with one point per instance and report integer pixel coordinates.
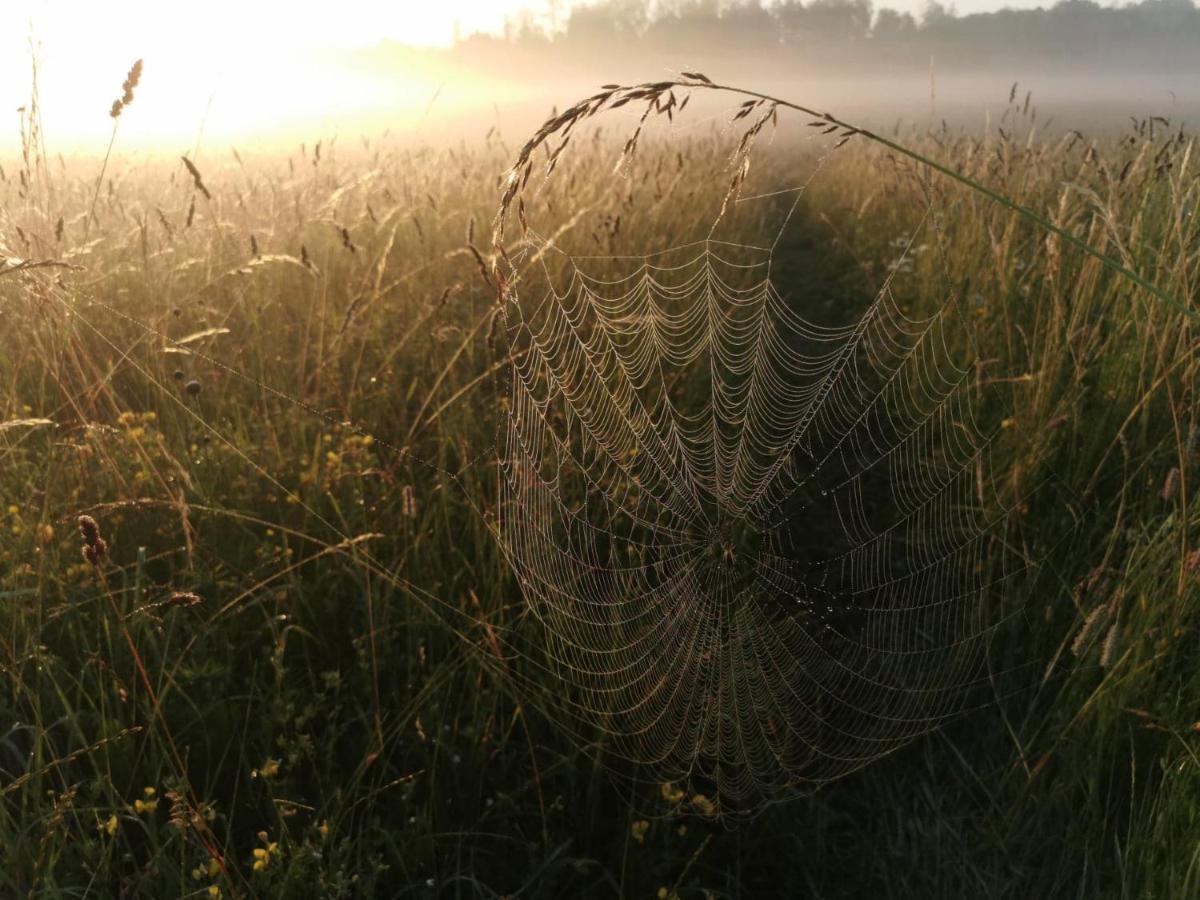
(764, 552)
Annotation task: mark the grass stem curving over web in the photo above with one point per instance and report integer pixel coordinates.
(765, 550)
(660, 98)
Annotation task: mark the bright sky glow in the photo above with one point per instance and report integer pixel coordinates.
(244, 67)
(237, 66)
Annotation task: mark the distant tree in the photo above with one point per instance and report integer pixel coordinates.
(1151, 35)
(891, 24)
(824, 21)
(750, 25)
(607, 21)
(936, 15)
(687, 24)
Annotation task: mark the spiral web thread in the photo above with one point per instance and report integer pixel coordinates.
(764, 551)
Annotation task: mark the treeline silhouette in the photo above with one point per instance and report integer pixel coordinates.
(1153, 36)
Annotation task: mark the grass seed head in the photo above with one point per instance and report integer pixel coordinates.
(131, 81)
(95, 548)
(197, 180)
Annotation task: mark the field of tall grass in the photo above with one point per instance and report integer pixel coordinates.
(282, 667)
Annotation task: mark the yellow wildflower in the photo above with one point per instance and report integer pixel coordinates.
(323, 829)
(110, 826)
(210, 868)
(704, 805)
(264, 855)
(670, 793)
(638, 830)
(214, 891)
(269, 769)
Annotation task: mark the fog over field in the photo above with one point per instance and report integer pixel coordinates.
(690, 449)
(1083, 66)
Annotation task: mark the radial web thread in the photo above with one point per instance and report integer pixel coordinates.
(762, 550)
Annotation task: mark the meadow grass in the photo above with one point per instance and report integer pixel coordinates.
(274, 383)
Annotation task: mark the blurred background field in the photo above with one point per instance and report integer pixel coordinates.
(275, 383)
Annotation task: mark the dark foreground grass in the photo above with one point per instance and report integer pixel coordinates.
(290, 677)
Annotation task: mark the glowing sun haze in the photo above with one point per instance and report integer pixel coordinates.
(252, 72)
(240, 68)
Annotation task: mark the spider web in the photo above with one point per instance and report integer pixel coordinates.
(765, 552)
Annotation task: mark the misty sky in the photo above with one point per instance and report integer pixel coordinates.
(227, 68)
(305, 23)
